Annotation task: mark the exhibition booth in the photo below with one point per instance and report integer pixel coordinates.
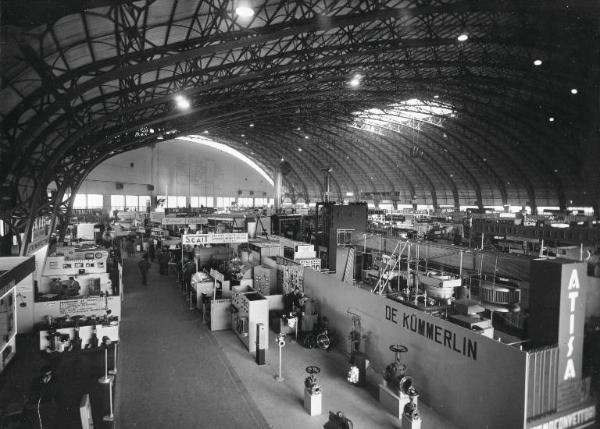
(504, 384)
(78, 299)
(14, 273)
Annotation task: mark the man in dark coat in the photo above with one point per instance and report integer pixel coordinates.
(151, 250)
(163, 261)
(144, 266)
(42, 408)
(189, 269)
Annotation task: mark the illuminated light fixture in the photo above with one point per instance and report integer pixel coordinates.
(182, 102)
(299, 149)
(298, 129)
(537, 63)
(551, 119)
(251, 125)
(243, 135)
(282, 159)
(160, 138)
(230, 151)
(574, 91)
(355, 80)
(205, 131)
(306, 137)
(244, 11)
(436, 96)
(462, 37)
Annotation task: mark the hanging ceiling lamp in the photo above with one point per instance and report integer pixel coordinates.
(244, 9)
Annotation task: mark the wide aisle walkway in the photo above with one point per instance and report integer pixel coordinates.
(171, 371)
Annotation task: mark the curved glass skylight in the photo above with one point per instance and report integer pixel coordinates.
(411, 113)
(230, 151)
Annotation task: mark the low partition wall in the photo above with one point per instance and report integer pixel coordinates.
(474, 381)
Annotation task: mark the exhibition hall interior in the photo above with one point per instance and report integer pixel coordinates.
(300, 214)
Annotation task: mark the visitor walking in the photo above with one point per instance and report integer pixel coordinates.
(129, 247)
(151, 250)
(144, 266)
(163, 260)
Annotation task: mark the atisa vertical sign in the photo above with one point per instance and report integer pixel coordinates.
(571, 321)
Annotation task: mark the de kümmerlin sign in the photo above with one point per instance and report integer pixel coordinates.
(431, 331)
(225, 238)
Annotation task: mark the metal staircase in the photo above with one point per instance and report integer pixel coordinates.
(349, 270)
(390, 265)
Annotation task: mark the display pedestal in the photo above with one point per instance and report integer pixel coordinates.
(312, 403)
(392, 403)
(410, 423)
(361, 361)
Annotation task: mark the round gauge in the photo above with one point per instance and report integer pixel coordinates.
(98, 255)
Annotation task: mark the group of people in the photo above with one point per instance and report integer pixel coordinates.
(164, 257)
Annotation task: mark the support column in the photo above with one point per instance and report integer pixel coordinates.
(65, 220)
(106, 204)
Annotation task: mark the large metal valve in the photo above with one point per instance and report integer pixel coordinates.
(311, 382)
(395, 371)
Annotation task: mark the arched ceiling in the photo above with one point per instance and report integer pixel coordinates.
(434, 120)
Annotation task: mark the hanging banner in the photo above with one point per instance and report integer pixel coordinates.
(225, 238)
(173, 221)
(184, 221)
(156, 216)
(196, 220)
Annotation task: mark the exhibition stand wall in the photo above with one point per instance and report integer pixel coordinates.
(78, 299)
(473, 380)
(249, 308)
(449, 362)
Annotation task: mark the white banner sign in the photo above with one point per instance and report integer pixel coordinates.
(196, 220)
(225, 238)
(156, 216)
(173, 221)
(217, 275)
(184, 221)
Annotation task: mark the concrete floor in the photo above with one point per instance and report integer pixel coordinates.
(174, 372)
